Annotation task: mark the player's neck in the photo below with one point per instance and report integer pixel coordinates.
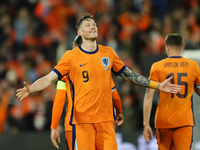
(174, 52)
(177, 54)
(89, 45)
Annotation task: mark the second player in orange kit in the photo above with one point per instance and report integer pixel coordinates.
(174, 118)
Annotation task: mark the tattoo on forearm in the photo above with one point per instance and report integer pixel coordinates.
(138, 79)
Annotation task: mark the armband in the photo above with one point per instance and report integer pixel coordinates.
(153, 84)
(61, 85)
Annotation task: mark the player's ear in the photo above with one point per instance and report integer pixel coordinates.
(79, 32)
(166, 47)
(183, 46)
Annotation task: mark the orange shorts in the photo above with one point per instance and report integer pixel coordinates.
(95, 136)
(68, 135)
(175, 138)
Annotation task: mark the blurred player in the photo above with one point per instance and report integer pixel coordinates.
(63, 90)
(174, 118)
(89, 67)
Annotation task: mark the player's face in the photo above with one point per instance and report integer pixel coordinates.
(88, 29)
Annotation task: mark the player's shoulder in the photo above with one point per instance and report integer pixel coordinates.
(103, 47)
(74, 50)
(67, 52)
(189, 60)
(157, 63)
(71, 52)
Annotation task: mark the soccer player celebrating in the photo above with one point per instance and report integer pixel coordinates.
(89, 67)
(63, 90)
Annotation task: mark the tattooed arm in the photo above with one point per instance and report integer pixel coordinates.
(140, 80)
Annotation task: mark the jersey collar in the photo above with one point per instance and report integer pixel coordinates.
(175, 57)
(87, 51)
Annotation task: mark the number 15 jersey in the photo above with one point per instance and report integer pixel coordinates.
(176, 110)
(90, 75)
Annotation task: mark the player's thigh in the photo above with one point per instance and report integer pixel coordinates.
(85, 136)
(164, 139)
(68, 137)
(183, 138)
(106, 138)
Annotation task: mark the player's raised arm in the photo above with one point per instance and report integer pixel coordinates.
(38, 85)
(140, 80)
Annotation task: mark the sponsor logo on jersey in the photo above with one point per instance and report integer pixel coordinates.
(83, 64)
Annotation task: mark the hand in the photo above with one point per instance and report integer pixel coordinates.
(147, 133)
(119, 119)
(55, 136)
(23, 92)
(167, 87)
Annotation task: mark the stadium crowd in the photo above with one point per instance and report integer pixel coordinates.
(34, 34)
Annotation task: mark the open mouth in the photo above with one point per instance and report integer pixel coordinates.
(93, 32)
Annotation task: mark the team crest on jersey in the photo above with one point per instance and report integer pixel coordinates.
(105, 61)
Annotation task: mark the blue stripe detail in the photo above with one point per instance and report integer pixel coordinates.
(175, 57)
(73, 136)
(72, 111)
(63, 76)
(191, 139)
(113, 110)
(58, 73)
(120, 71)
(197, 86)
(113, 89)
(192, 109)
(87, 51)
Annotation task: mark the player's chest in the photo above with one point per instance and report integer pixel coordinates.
(93, 64)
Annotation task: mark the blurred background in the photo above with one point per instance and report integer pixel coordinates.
(34, 34)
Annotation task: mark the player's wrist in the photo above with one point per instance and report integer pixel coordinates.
(154, 84)
(158, 87)
(145, 124)
(118, 111)
(53, 127)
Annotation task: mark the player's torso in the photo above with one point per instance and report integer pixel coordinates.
(90, 74)
(91, 67)
(172, 108)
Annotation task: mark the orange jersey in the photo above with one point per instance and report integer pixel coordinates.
(116, 98)
(63, 90)
(90, 75)
(176, 110)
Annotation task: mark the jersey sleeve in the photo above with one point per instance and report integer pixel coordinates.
(197, 81)
(63, 66)
(116, 99)
(118, 65)
(58, 104)
(153, 73)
